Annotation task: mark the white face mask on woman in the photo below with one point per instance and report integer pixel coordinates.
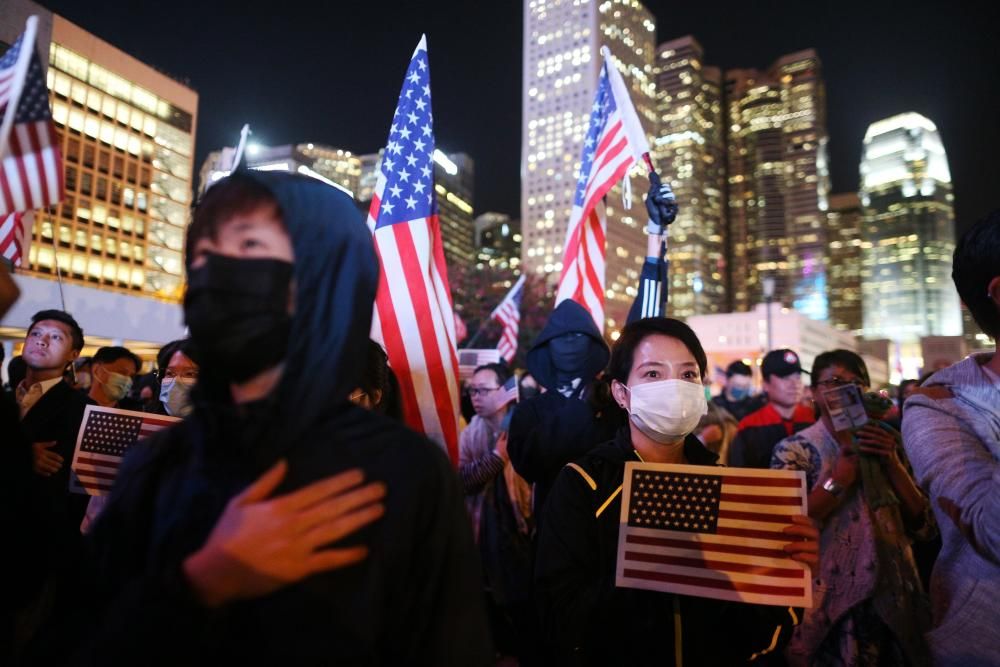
(668, 410)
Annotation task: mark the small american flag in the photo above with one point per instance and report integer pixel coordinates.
(414, 317)
(31, 174)
(470, 359)
(615, 141)
(712, 532)
(508, 313)
(104, 437)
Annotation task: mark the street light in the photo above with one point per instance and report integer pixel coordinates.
(767, 282)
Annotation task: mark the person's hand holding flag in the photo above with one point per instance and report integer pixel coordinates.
(661, 204)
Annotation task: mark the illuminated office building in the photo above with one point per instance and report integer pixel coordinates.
(335, 166)
(844, 234)
(778, 183)
(498, 242)
(689, 154)
(562, 42)
(909, 236)
(127, 138)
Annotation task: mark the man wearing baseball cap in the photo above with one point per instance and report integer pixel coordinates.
(781, 416)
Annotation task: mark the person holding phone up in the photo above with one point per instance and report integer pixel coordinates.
(870, 607)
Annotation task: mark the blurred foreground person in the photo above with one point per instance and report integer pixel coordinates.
(952, 434)
(242, 535)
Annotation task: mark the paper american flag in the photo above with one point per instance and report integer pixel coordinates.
(105, 435)
(712, 532)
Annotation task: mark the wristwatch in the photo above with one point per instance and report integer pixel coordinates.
(832, 487)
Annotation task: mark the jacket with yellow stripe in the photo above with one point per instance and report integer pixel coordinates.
(591, 622)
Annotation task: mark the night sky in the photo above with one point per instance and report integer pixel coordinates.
(298, 72)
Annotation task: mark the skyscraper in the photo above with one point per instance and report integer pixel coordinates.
(562, 41)
(498, 242)
(909, 235)
(127, 138)
(844, 234)
(690, 154)
(778, 183)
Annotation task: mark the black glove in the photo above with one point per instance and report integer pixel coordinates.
(660, 204)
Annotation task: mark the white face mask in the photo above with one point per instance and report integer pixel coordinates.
(116, 386)
(175, 394)
(668, 410)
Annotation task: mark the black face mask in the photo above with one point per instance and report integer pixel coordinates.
(237, 311)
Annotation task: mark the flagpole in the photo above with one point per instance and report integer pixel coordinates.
(17, 82)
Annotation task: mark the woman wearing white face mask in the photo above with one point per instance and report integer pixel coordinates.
(656, 373)
(178, 365)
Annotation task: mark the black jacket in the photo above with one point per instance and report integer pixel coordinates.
(56, 416)
(592, 622)
(550, 430)
(417, 597)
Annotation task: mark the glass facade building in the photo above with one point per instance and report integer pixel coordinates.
(562, 42)
(126, 133)
(778, 183)
(844, 234)
(498, 242)
(689, 153)
(909, 233)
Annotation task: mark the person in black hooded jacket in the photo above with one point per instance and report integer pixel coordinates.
(561, 424)
(179, 575)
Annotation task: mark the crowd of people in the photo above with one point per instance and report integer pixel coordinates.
(291, 517)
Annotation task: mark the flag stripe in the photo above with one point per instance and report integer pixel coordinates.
(756, 480)
(724, 566)
(767, 500)
(714, 583)
(708, 546)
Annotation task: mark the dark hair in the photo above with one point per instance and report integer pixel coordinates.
(903, 385)
(738, 368)
(974, 265)
(502, 372)
(109, 355)
(233, 195)
(184, 345)
(849, 360)
(17, 369)
(60, 316)
(623, 352)
(379, 377)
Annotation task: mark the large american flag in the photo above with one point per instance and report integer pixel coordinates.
(712, 532)
(614, 142)
(15, 236)
(104, 437)
(414, 318)
(508, 313)
(31, 174)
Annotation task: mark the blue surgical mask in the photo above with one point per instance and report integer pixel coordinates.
(175, 394)
(739, 393)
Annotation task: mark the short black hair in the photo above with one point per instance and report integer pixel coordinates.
(502, 372)
(852, 361)
(738, 368)
(60, 316)
(111, 354)
(623, 352)
(974, 265)
(233, 195)
(184, 345)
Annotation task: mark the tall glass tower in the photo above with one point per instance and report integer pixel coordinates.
(909, 233)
